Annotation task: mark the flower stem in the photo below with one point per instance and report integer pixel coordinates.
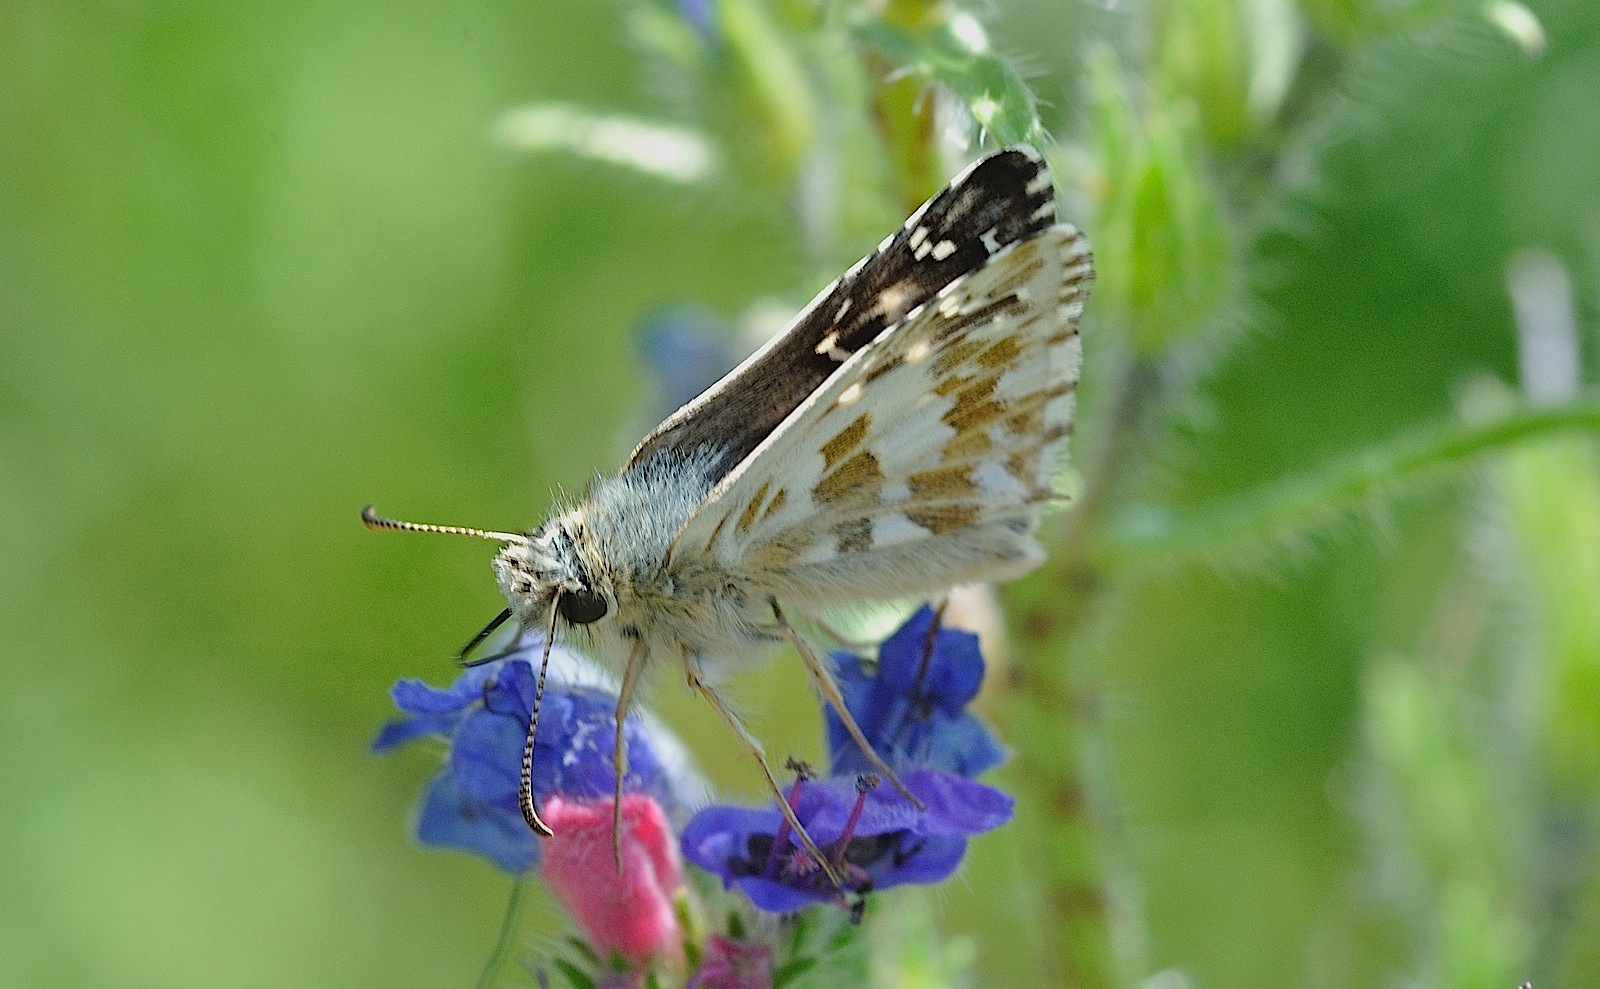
(507, 935)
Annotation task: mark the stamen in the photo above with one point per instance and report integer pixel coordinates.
(780, 842)
(865, 784)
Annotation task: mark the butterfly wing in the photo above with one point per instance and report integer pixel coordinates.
(923, 460)
(998, 201)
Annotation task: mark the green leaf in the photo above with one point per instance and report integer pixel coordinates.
(791, 970)
(576, 977)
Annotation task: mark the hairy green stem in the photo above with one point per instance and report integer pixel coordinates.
(1061, 773)
(1153, 535)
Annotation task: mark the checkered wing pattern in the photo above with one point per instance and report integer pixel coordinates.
(925, 457)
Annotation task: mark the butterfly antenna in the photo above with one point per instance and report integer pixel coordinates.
(530, 813)
(372, 520)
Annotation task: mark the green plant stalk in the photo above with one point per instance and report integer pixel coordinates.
(953, 53)
(1061, 769)
(1062, 836)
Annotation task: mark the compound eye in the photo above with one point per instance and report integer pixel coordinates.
(581, 607)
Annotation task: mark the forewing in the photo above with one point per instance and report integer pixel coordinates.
(923, 462)
(998, 201)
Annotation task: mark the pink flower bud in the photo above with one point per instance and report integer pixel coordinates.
(632, 914)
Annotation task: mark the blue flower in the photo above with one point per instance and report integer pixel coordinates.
(874, 837)
(702, 16)
(913, 708)
(687, 348)
(472, 803)
(449, 818)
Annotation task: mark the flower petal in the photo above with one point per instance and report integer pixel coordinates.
(402, 730)
(633, 914)
(450, 818)
(889, 841)
(912, 705)
(416, 697)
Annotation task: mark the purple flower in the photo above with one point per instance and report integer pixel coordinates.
(913, 710)
(472, 803)
(913, 707)
(874, 837)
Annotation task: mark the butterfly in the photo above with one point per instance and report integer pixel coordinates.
(897, 438)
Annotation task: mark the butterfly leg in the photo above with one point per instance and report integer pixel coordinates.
(860, 646)
(704, 689)
(619, 749)
(828, 687)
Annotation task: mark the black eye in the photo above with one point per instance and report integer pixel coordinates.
(581, 607)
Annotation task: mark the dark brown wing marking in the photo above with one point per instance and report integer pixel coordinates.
(1001, 199)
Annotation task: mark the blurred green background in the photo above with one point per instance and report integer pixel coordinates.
(261, 264)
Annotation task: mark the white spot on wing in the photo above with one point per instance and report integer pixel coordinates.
(996, 482)
(892, 299)
(830, 346)
(895, 528)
